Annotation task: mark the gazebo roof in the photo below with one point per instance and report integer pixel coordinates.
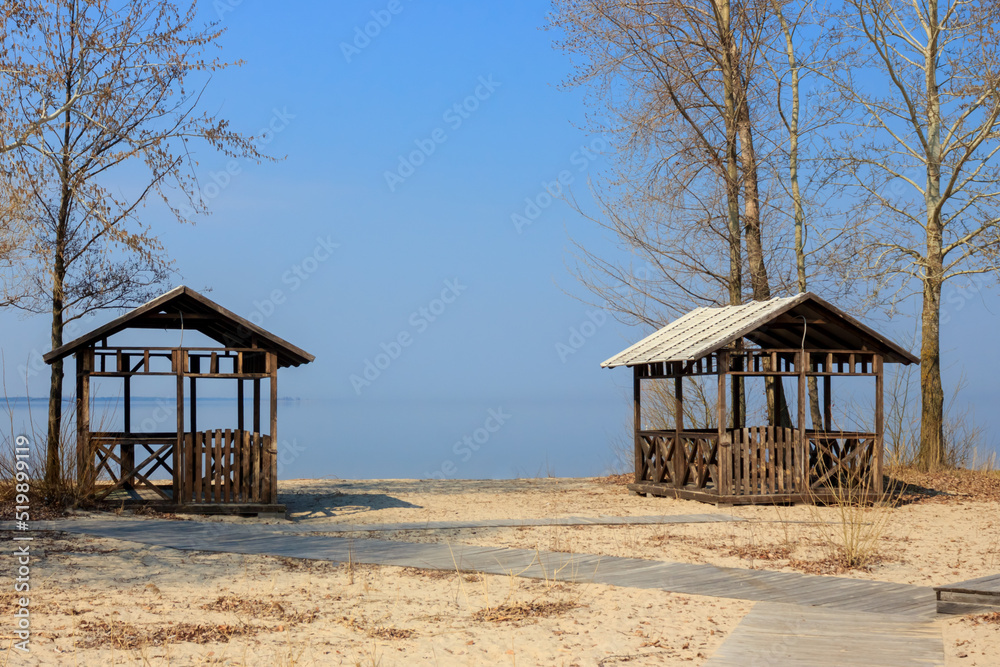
(775, 324)
(184, 308)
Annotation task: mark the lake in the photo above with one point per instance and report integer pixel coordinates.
(351, 439)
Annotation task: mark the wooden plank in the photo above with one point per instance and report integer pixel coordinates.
(640, 459)
(737, 436)
(245, 466)
(227, 454)
(879, 423)
(272, 473)
(678, 471)
(179, 443)
(197, 465)
(255, 472)
(187, 483)
(237, 465)
(769, 455)
(128, 450)
(725, 451)
(84, 452)
(748, 455)
(803, 451)
(217, 468)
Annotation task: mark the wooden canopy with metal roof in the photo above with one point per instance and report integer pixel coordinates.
(216, 469)
(799, 337)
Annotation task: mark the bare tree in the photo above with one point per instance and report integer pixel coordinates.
(679, 82)
(121, 73)
(21, 77)
(924, 159)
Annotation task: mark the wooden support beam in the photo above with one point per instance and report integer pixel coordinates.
(256, 405)
(239, 404)
(84, 456)
(680, 457)
(879, 423)
(273, 472)
(828, 402)
(637, 423)
(180, 363)
(725, 452)
(128, 451)
(802, 462)
(195, 368)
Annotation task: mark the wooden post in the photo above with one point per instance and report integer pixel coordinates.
(637, 424)
(180, 362)
(736, 382)
(195, 368)
(828, 402)
(239, 404)
(256, 406)
(802, 363)
(680, 455)
(84, 456)
(273, 472)
(879, 424)
(127, 451)
(725, 450)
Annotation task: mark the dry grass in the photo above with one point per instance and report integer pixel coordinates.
(121, 635)
(518, 612)
(376, 630)
(945, 486)
(992, 618)
(255, 608)
(616, 480)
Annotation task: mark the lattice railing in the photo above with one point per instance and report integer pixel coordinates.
(688, 460)
(766, 460)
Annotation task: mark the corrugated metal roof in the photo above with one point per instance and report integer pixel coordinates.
(700, 332)
(705, 330)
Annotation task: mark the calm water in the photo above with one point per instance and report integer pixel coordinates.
(399, 439)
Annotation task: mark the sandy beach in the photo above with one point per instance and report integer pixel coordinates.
(100, 601)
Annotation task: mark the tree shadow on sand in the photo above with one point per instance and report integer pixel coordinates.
(302, 507)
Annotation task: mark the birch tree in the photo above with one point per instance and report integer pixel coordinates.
(121, 73)
(925, 87)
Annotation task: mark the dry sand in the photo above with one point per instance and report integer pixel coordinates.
(102, 602)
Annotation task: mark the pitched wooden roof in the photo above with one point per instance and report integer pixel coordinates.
(777, 323)
(182, 307)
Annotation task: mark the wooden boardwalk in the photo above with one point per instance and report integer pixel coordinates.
(980, 595)
(306, 526)
(838, 593)
(781, 635)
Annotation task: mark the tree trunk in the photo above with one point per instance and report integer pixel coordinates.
(723, 22)
(932, 454)
(932, 446)
(759, 284)
(53, 467)
(53, 463)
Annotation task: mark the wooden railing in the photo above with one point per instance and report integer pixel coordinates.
(115, 455)
(228, 466)
(765, 460)
(686, 459)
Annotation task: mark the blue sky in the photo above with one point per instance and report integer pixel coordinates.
(469, 91)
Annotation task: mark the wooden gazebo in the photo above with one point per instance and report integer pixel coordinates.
(214, 469)
(731, 462)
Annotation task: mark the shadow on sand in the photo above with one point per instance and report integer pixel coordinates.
(305, 507)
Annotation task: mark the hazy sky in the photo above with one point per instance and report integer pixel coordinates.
(409, 150)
